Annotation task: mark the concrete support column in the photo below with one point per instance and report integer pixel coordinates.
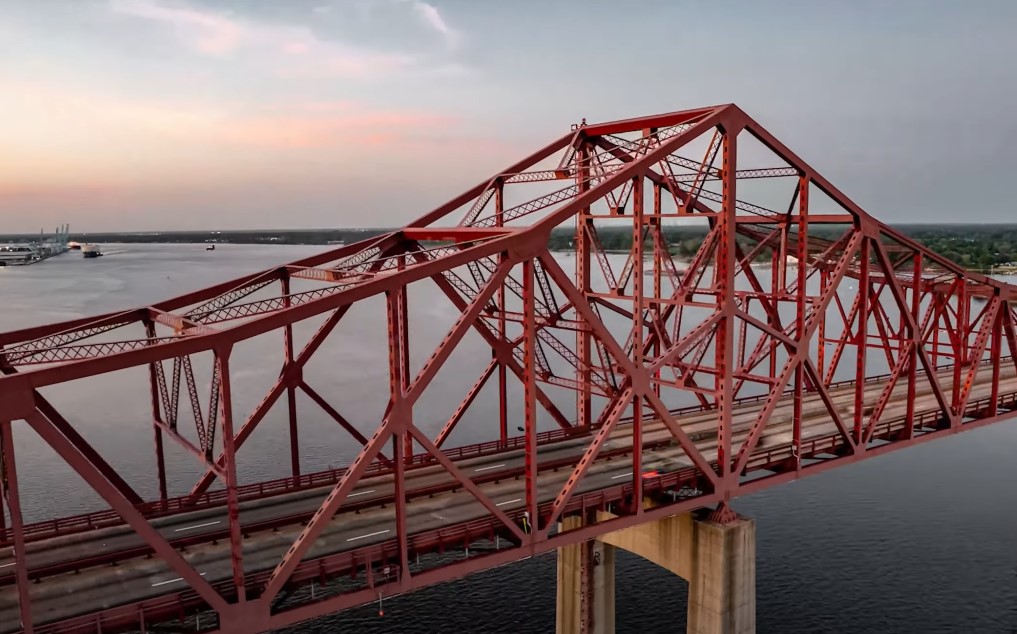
(718, 560)
(585, 602)
(722, 586)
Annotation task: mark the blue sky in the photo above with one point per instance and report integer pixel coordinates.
(174, 114)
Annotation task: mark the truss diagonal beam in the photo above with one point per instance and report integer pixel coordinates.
(797, 358)
(634, 347)
(87, 469)
(912, 326)
(640, 377)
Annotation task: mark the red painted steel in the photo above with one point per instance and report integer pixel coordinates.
(847, 318)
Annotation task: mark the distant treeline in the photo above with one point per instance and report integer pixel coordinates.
(973, 246)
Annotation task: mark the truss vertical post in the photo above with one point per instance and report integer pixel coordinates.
(638, 309)
(775, 287)
(1009, 335)
(10, 474)
(529, 391)
(503, 426)
(291, 387)
(916, 340)
(785, 250)
(395, 381)
(583, 247)
(404, 356)
(725, 275)
(659, 253)
(802, 256)
(995, 352)
(230, 467)
(964, 326)
(399, 348)
(960, 352)
(153, 379)
(399, 483)
(824, 281)
(398, 410)
(861, 340)
(934, 299)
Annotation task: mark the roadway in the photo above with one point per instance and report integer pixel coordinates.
(74, 575)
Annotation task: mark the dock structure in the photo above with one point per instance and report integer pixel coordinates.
(23, 252)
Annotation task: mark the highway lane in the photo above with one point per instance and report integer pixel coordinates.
(377, 488)
(140, 578)
(511, 462)
(46, 556)
(212, 521)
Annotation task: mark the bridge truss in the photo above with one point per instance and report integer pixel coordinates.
(794, 290)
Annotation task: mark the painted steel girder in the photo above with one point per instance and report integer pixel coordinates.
(388, 263)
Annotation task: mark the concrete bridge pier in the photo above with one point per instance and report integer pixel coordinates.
(715, 553)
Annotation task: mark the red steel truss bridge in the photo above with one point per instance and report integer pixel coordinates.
(804, 334)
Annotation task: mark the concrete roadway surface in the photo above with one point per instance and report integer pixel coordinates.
(137, 578)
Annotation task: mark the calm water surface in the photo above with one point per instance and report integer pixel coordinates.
(924, 540)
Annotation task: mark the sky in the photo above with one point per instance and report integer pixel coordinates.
(142, 115)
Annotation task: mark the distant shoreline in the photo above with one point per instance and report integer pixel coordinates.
(350, 235)
(973, 246)
(297, 236)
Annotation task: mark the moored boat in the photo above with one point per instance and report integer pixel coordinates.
(18, 254)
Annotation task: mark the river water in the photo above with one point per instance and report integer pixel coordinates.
(923, 540)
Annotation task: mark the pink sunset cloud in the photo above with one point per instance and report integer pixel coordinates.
(296, 47)
(323, 127)
(207, 32)
(63, 192)
(94, 134)
(248, 107)
(287, 50)
(432, 17)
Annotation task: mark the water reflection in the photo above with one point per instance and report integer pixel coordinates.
(919, 541)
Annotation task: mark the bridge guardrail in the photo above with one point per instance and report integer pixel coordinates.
(380, 554)
(100, 519)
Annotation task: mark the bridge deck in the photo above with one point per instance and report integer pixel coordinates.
(74, 575)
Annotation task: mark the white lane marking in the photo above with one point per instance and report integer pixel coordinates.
(353, 495)
(162, 583)
(624, 475)
(509, 502)
(353, 539)
(188, 528)
(8, 565)
(489, 468)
